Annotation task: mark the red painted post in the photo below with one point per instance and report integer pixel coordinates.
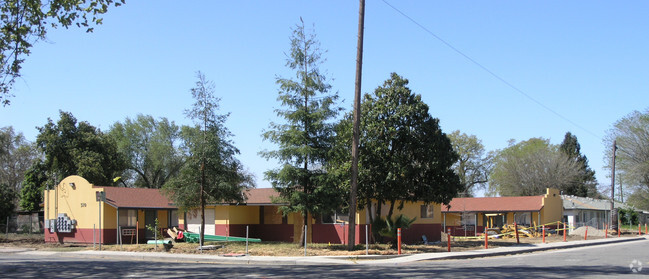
(399, 240)
(639, 230)
(586, 234)
(516, 230)
(564, 232)
(618, 229)
(543, 233)
(645, 229)
(448, 235)
(486, 239)
(605, 231)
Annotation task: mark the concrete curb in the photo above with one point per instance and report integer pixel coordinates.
(326, 260)
(503, 251)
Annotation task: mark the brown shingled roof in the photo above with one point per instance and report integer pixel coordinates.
(261, 196)
(136, 198)
(495, 204)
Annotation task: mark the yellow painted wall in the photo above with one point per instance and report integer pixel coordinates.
(77, 202)
(410, 209)
(163, 218)
(221, 214)
(294, 218)
(242, 215)
(298, 225)
(109, 216)
(272, 215)
(140, 218)
(452, 219)
(552, 207)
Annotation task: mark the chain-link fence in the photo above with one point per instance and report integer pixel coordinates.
(23, 222)
(602, 224)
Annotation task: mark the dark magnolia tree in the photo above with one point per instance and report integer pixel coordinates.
(404, 155)
(631, 134)
(472, 166)
(585, 184)
(305, 138)
(212, 174)
(529, 167)
(23, 22)
(152, 149)
(78, 148)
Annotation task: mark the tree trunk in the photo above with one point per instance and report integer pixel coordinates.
(371, 219)
(202, 197)
(389, 217)
(303, 233)
(369, 211)
(379, 208)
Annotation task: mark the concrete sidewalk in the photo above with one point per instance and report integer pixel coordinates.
(325, 260)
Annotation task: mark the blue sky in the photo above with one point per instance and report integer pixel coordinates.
(585, 60)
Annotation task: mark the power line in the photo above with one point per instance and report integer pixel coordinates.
(489, 71)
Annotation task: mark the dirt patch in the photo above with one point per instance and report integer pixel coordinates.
(283, 249)
(592, 231)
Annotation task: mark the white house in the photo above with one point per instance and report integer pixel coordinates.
(580, 211)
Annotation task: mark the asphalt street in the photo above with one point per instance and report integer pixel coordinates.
(604, 261)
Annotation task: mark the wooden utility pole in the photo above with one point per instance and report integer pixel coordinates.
(356, 130)
(613, 211)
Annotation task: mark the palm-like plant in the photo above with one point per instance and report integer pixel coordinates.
(391, 226)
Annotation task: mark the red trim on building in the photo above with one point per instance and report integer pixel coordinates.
(414, 233)
(82, 236)
(459, 230)
(265, 232)
(85, 236)
(336, 233)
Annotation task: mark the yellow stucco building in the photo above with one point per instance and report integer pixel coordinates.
(77, 211)
(468, 216)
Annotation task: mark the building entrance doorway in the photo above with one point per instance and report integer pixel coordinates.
(149, 220)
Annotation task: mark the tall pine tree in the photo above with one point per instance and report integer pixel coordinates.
(212, 173)
(305, 138)
(585, 184)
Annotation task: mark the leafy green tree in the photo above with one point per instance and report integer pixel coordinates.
(628, 216)
(212, 173)
(639, 198)
(473, 166)
(25, 22)
(152, 149)
(73, 148)
(529, 167)
(7, 205)
(16, 156)
(404, 155)
(306, 137)
(631, 134)
(35, 182)
(585, 184)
